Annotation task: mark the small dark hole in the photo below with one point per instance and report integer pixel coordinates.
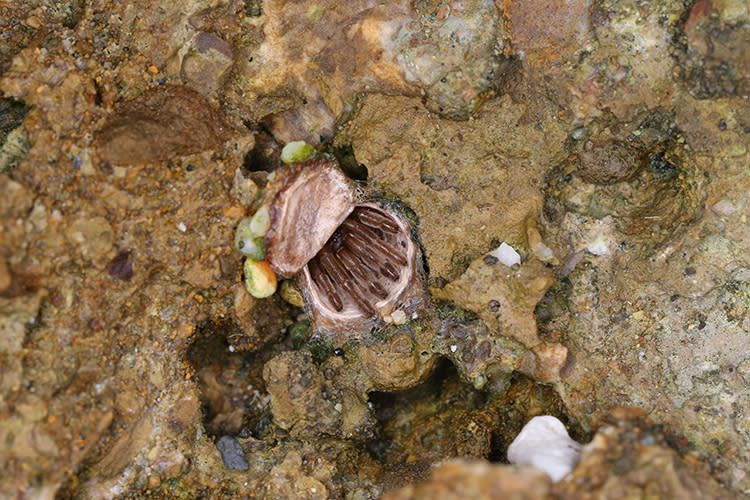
(349, 164)
(265, 155)
(662, 167)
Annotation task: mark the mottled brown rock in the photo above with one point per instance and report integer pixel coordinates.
(398, 364)
(654, 203)
(261, 321)
(543, 31)
(609, 162)
(14, 34)
(505, 300)
(313, 61)
(91, 238)
(629, 71)
(470, 433)
(289, 479)
(163, 122)
(460, 479)
(303, 402)
(674, 342)
(662, 323)
(127, 446)
(205, 65)
(480, 355)
(716, 62)
(471, 184)
(629, 457)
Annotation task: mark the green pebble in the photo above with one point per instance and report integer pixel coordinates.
(299, 333)
(296, 151)
(320, 350)
(247, 242)
(260, 222)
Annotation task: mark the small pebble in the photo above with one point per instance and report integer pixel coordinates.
(120, 266)
(33, 22)
(398, 317)
(296, 151)
(231, 453)
(506, 254)
(578, 134)
(598, 245)
(723, 208)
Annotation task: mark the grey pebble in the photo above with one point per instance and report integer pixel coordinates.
(231, 453)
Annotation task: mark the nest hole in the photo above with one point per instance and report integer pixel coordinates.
(231, 387)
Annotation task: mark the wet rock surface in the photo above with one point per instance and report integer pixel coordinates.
(165, 121)
(505, 300)
(610, 466)
(470, 186)
(713, 61)
(605, 142)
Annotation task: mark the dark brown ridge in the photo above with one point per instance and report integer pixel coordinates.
(360, 260)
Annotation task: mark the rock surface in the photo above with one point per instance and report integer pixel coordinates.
(627, 458)
(607, 146)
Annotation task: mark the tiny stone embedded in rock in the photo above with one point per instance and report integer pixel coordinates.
(232, 453)
(120, 266)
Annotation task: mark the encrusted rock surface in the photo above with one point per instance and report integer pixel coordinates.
(606, 142)
(627, 458)
(163, 122)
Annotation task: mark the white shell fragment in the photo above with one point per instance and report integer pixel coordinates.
(506, 254)
(598, 246)
(544, 443)
(398, 317)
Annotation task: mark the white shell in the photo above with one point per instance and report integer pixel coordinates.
(506, 254)
(544, 443)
